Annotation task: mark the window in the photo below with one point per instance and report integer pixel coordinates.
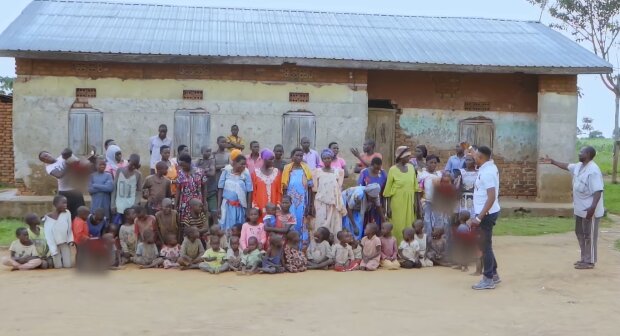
(192, 128)
(85, 131)
(296, 125)
(478, 131)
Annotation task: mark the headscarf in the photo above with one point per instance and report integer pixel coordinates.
(110, 156)
(233, 154)
(327, 153)
(402, 151)
(373, 190)
(267, 154)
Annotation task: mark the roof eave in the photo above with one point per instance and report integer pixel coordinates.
(309, 62)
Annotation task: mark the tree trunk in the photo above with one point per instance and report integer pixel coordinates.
(616, 136)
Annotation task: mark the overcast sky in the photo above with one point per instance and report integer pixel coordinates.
(597, 102)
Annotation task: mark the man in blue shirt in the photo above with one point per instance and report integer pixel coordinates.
(456, 161)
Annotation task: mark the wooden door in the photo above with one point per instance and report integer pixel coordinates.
(381, 128)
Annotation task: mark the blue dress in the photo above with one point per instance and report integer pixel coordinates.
(234, 197)
(100, 188)
(298, 191)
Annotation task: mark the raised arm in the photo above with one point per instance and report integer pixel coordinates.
(548, 160)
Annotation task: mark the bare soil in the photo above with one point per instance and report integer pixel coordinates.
(541, 294)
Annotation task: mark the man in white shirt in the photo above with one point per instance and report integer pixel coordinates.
(59, 168)
(486, 207)
(155, 143)
(588, 202)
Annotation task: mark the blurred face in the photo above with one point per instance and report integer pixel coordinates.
(285, 204)
(235, 231)
(327, 161)
(149, 239)
(165, 154)
(234, 130)
(130, 216)
(317, 236)
(171, 240)
(239, 167)
(376, 167)
(167, 209)
(197, 208)
(134, 164)
(252, 244)
(419, 227)
(98, 216)
(161, 169)
(268, 163)
(418, 153)
(253, 215)
(459, 150)
(221, 143)
(305, 144)
(162, 132)
(185, 150)
(118, 156)
(270, 210)
(186, 166)
(101, 166)
(367, 146)
(405, 159)
(335, 148)
(583, 155)
(371, 230)
(298, 157)
(23, 237)
(206, 153)
(192, 235)
(234, 244)
(61, 206)
(431, 165)
(386, 230)
(47, 158)
(469, 162)
(480, 159)
(278, 151)
(215, 244)
(255, 147)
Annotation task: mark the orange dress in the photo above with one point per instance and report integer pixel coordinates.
(267, 189)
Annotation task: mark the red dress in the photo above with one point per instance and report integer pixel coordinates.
(267, 189)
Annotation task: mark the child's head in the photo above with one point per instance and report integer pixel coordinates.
(234, 243)
(98, 216)
(292, 237)
(22, 234)
(321, 234)
(431, 163)
(108, 239)
(343, 237)
(285, 203)
(386, 229)
(149, 236)
(195, 206)
(171, 239)
(206, 152)
(437, 233)
(331, 239)
(112, 228)
(352, 241)
(235, 231)
(446, 178)
(464, 217)
(408, 234)
(130, 215)
(252, 244)
(192, 233)
(101, 166)
(83, 212)
(166, 206)
(253, 215)
(165, 152)
(134, 161)
(275, 240)
(418, 226)
(60, 203)
(278, 151)
(214, 241)
(32, 220)
(270, 209)
(140, 211)
(371, 230)
(161, 168)
(216, 230)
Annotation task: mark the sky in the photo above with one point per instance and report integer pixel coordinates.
(597, 101)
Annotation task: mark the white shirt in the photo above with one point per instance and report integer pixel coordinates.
(488, 177)
(155, 144)
(58, 231)
(60, 165)
(410, 250)
(428, 179)
(586, 181)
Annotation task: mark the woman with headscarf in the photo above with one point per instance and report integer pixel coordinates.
(114, 159)
(266, 183)
(400, 189)
(234, 193)
(297, 183)
(191, 184)
(328, 204)
(360, 201)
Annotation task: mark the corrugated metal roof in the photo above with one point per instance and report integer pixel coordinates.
(55, 26)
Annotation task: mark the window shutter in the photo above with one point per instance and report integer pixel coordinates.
(94, 131)
(200, 129)
(290, 133)
(181, 129)
(77, 133)
(307, 128)
(484, 135)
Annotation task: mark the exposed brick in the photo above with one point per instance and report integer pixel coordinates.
(7, 174)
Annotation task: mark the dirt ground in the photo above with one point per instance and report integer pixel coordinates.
(541, 294)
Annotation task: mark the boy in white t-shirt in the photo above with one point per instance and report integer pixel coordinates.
(24, 255)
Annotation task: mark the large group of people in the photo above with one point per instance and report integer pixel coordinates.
(264, 213)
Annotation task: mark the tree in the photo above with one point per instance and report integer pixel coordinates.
(586, 125)
(6, 85)
(596, 135)
(596, 23)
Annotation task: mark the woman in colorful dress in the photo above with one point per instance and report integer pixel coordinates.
(402, 184)
(297, 184)
(191, 183)
(234, 193)
(465, 183)
(266, 183)
(359, 201)
(328, 205)
(370, 175)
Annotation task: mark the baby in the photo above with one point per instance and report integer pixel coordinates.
(409, 250)
(252, 257)
(171, 251)
(214, 257)
(234, 255)
(344, 259)
(147, 255)
(319, 251)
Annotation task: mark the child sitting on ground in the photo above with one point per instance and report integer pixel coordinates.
(127, 236)
(344, 260)
(437, 249)
(216, 230)
(356, 247)
(294, 260)
(145, 222)
(191, 249)
(197, 218)
(24, 255)
(421, 239)
(389, 251)
(171, 251)
(97, 223)
(167, 220)
(37, 235)
(319, 252)
(214, 262)
(252, 257)
(272, 260)
(147, 255)
(371, 248)
(409, 250)
(253, 229)
(234, 255)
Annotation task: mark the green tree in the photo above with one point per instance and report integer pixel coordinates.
(595, 23)
(596, 135)
(6, 85)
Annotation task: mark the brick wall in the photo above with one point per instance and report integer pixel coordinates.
(7, 173)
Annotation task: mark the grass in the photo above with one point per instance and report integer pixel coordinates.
(7, 230)
(604, 152)
(536, 226)
(611, 196)
(617, 244)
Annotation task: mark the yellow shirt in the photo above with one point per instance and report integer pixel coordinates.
(237, 140)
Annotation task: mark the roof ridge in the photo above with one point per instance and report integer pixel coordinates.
(136, 3)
